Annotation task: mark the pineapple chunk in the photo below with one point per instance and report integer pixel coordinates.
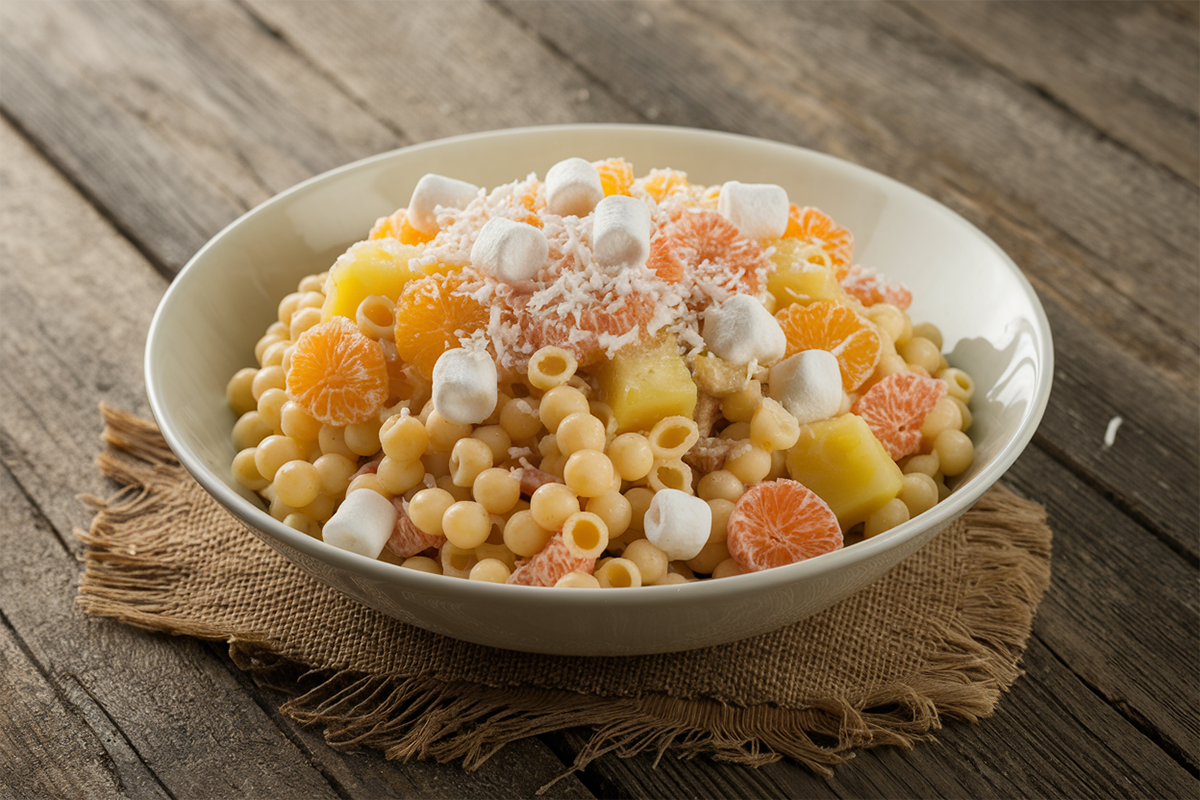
(795, 279)
(372, 267)
(645, 384)
(842, 461)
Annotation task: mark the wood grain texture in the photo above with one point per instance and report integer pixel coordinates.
(1131, 69)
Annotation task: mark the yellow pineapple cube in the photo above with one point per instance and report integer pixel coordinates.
(842, 461)
(645, 384)
(372, 267)
(796, 279)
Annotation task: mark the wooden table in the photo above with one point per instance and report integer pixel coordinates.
(134, 131)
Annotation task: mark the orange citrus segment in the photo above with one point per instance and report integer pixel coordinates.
(616, 175)
(661, 183)
(813, 225)
(337, 373)
(895, 408)
(431, 318)
(714, 255)
(549, 564)
(836, 328)
(663, 261)
(586, 336)
(870, 287)
(396, 227)
(407, 539)
(778, 523)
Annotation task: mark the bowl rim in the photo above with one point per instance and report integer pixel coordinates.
(961, 499)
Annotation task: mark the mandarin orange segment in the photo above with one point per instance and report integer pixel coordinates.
(407, 539)
(338, 374)
(663, 261)
(432, 317)
(545, 567)
(815, 226)
(661, 183)
(588, 335)
(838, 329)
(778, 523)
(871, 287)
(616, 175)
(396, 226)
(718, 258)
(895, 408)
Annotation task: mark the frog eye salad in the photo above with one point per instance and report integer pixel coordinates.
(597, 380)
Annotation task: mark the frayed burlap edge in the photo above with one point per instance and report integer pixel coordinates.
(973, 660)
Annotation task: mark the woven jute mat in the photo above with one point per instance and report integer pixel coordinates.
(940, 636)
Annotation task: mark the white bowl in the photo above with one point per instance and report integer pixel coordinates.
(220, 304)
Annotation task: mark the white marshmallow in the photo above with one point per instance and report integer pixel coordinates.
(678, 523)
(621, 232)
(741, 330)
(573, 188)
(757, 210)
(362, 523)
(464, 385)
(808, 385)
(510, 251)
(433, 191)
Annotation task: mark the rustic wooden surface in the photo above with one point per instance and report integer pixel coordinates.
(1068, 132)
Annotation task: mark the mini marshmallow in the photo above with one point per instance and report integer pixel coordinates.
(464, 385)
(433, 191)
(621, 232)
(757, 210)
(808, 385)
(741, 330)
(510, 251)
(362, 523)
(678, 523)
(573, 188)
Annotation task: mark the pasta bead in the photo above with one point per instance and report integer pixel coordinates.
(580, 431)
(959, 383)
(894, 512)
(246, 472)
(368, 480)
(363, 438)
(288, 306)
(589, 473)
(456, 562)
(670, 579)
(270, 407)
(550, 367)
(888, 318)
(749, 463)
(955, 451)
(497, 550)
(403, 437)
(397, 477)
(497, 490)
(577, 580)
(721, 509)
(712, 554)
(237, 391)
(773, 427)
(313, 283)
(673, 474)
(727, 569)
(558, 403)
(927, 330)
(490, 570)
(720, 484)
(524, 536)
(926, 464)
(618, 573)
(585, 535)
(335, 471)
(631, 456)
(267, 378)
(650, 561)
(264, 344)
(740, 405)
(469, 458)
(551, 504)
(779, 467)
(456, 491)
(943, 416)
(272, 356)
(295, 422)
(300, 522)
(250, 429)
(376, 317)
(466, 524)
(671, 437)
(297, 483)
(497, 440)
(604, 413)
(332, 439)
(554, 464)
(520, 417)
(918, 492)
(639, 499)
(302, 320)
(967, 417)
(277, 330)
(427, 508)
(920, 352)
(736, 430)
(422, 564)
(443, 433)
(321, 509)
(614, 509)
(273, 452)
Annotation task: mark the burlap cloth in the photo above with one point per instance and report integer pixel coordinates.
(940, 636)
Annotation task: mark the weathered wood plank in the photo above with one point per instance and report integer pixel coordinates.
(175, 118)
(1119, 65)
(439, 69)
(825, 76)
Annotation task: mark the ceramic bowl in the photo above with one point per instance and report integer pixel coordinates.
(220, 304)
